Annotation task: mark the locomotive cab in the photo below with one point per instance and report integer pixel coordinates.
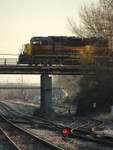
(35, 41)
(41, 41)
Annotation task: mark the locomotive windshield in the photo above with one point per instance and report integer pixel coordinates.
(36, 40)
(41, 41)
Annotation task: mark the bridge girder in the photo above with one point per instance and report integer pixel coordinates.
(52, 70)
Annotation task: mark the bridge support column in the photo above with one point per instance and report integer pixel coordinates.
(46, 110)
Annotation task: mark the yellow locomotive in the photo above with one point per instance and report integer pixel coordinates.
(57, 50)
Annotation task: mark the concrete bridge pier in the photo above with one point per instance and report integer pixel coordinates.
(46, 110)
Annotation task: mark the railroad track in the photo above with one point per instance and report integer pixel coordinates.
(85, 131)
(89, 133)
(21, 139)
(5, 142)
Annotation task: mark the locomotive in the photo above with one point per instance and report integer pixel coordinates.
(57, 50)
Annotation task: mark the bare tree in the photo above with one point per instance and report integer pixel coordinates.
(70, 83)
(96, 20)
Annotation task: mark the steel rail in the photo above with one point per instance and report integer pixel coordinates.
(46, 143)
(91, 135)
(9, 139)
(85, 136)
(97, 127)
(82, 134)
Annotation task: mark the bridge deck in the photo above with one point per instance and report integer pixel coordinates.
(52, 70)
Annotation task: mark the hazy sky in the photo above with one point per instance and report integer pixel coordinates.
(22, 19)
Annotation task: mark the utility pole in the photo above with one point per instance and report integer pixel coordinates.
(112, 36)
(112, 39)
(22, 89)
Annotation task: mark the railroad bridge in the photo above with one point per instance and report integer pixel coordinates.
(46, 110)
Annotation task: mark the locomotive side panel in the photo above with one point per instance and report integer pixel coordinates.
(58, 49)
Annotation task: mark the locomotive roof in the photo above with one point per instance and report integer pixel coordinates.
(90, 40)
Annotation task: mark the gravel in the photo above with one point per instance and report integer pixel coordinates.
(56, 136)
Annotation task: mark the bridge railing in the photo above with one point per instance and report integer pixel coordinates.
(8, 61)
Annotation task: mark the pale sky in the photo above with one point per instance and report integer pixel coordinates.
(22, 19)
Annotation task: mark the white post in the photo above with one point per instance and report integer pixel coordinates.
(94, 104)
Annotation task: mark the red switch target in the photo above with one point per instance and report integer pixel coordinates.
(64, 132)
